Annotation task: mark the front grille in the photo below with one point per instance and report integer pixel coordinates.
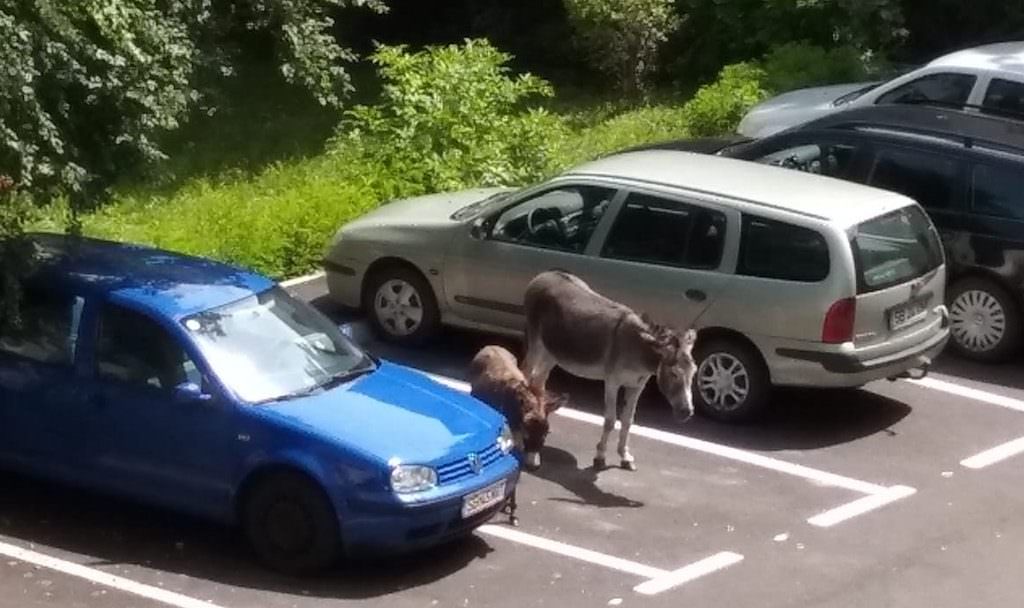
(461, 469)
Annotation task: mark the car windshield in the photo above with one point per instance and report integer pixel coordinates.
(895, 248)
(474, 209)
(271, 346)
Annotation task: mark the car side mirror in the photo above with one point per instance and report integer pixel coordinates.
(190, 392)
(478, 230)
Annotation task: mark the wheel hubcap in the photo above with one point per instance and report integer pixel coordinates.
(723, 382)
(978, 321)
(398, 307)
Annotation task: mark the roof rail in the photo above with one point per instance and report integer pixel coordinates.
(995, 111)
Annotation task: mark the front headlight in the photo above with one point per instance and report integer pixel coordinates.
(408, 478)
(505, 440)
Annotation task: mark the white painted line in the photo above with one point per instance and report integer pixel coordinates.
(688, 573)
(970, 393)
(860, 506)
(994, 455)
(586, 555)
(294, 282)
(102, 578)
(781, 466)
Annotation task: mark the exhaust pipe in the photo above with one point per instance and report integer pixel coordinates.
(919, 371)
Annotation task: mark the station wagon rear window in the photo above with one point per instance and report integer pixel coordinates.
(777, 250)
(894, 248)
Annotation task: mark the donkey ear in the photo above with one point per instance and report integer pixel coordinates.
(553, 402)
(688, 340)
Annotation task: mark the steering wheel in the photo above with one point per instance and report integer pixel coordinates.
(532, 225)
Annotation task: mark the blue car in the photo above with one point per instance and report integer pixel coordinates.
(204, 388)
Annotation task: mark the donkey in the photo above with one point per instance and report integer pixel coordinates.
(570, 325)
(496, 380)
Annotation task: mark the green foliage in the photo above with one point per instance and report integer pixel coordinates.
(622, 37)
(627, 129)
(452, 117)
(795, 65)
(717, 107)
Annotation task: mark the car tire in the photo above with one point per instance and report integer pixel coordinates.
(985, 321)
(291, 525)
(732, 382)
(410, 316)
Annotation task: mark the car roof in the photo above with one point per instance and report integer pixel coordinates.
(1005, 56)
(965, 127)
(754, 184)
(162, 282)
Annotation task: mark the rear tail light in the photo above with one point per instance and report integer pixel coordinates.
(838, 325)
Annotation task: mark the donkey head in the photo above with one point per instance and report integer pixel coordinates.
(676, 367)
(537, 406)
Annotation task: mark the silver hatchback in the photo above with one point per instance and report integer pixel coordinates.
(791, 279)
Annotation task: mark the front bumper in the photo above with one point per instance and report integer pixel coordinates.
(413, 527)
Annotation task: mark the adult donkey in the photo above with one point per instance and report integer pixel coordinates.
(570, 325)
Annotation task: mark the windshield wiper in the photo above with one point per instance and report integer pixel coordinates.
(367, 365)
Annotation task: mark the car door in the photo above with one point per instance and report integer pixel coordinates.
(486, 274)
(995, 221)
(41, 424)
(153, 443)
(665, 255)
(937, 181)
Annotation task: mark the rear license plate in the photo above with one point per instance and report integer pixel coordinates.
(907, 314)
(482, 499)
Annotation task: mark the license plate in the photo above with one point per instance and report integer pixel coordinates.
(908, 314)
(482, 499)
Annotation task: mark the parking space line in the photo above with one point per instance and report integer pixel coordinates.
(102, 578)
(689, 573)
(586, 555)
(970, 393)
(860, 506)
(658, 580)
(994, 455)
(296, 281)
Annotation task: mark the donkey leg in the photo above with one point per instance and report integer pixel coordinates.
(631, 397)
(611, 402)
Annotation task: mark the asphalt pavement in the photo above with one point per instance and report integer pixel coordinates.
(901, 494)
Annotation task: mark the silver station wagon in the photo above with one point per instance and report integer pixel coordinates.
(792, 279)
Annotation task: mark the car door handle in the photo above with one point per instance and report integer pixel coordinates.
(696, 295)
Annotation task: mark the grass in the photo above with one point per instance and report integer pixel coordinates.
(252, 184)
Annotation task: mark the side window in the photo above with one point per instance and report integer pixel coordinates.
(1004, 96)
(562, 219)
(999, 192)
(824, 158)
(658, 231)
(930, 179)
(776, 250)
(946, 88)
(134, 349)
(47, 330)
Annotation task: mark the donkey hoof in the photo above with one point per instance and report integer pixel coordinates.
(514, 521)
(629, 465)
(599, 463)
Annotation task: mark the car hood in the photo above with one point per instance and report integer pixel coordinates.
(431, 209)
(794, 108)
(395, 413)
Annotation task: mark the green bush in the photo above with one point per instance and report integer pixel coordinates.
(452, 117)
(796, 65)
(643, 125)
(717, 107)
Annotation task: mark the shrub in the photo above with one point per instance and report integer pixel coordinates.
(796, 65)
(717, 107)
(452, 117)
(622, 37)
(643, 125)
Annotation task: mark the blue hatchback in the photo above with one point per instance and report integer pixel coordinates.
(204, 388)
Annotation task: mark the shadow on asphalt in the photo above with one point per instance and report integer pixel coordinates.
(799, 419)
(1002, 374)
(562, 468)
(117, 533)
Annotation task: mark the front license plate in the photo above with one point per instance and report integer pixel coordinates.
(482, 499)
(908, 314)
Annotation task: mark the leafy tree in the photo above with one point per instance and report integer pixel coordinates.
(87, 87)
(623, 36)
(452, 117)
